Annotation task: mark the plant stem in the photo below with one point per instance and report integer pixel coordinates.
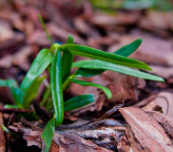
(67, 82)
(46, 96)
(41, 19)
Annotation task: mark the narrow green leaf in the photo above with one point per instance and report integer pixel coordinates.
(17, 96)
(47, 134)
(8, 83)
(56, 88)
(96, 64)
(40, 63)
(84, 83)
(32, 91)
(11, 106)
(97, 54)
(124, 51)
(45, 29)
(46, 96)
(129, 48)
(15, 91)
(78, 102)
(67, 60)
(3, 83)
(84, 72)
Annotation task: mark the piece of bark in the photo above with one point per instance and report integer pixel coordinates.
(145, 101)
(63, 142)
(2, 136)
(123, 145)
(166, 122)
(151, 106)
(165, 101)
(145, 133)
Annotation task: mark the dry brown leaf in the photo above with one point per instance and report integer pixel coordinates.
(165, 101)
(145, 133)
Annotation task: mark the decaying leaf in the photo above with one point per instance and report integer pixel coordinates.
(145, 133)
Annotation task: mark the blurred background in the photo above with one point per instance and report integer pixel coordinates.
(102, 24)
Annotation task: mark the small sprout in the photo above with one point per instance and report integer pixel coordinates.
(59, 69)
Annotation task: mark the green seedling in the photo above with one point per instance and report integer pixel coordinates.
(59, 68)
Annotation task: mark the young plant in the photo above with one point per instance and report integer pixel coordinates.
(60, 68)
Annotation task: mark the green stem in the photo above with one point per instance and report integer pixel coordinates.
(46, 96)
(67, 82)
(42, 22)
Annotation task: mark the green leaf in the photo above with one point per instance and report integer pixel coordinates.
(97, 54)
(84, 83)
(32, 91)
(124, 51)
(67, 60)
(8, 83)
(47, 134)
(15, 91)
(56, 88)
(46, 96)
(84, 72)
(78, 102)
(128, 49)
(40, 63)
(3, 83)
(96, 64)
(11, 106)
(17, 96)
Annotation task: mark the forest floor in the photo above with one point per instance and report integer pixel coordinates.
(138, 117)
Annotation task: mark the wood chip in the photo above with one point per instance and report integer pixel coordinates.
(145, 133)
(165, 101)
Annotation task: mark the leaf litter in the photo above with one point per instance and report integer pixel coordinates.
(21, 39)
